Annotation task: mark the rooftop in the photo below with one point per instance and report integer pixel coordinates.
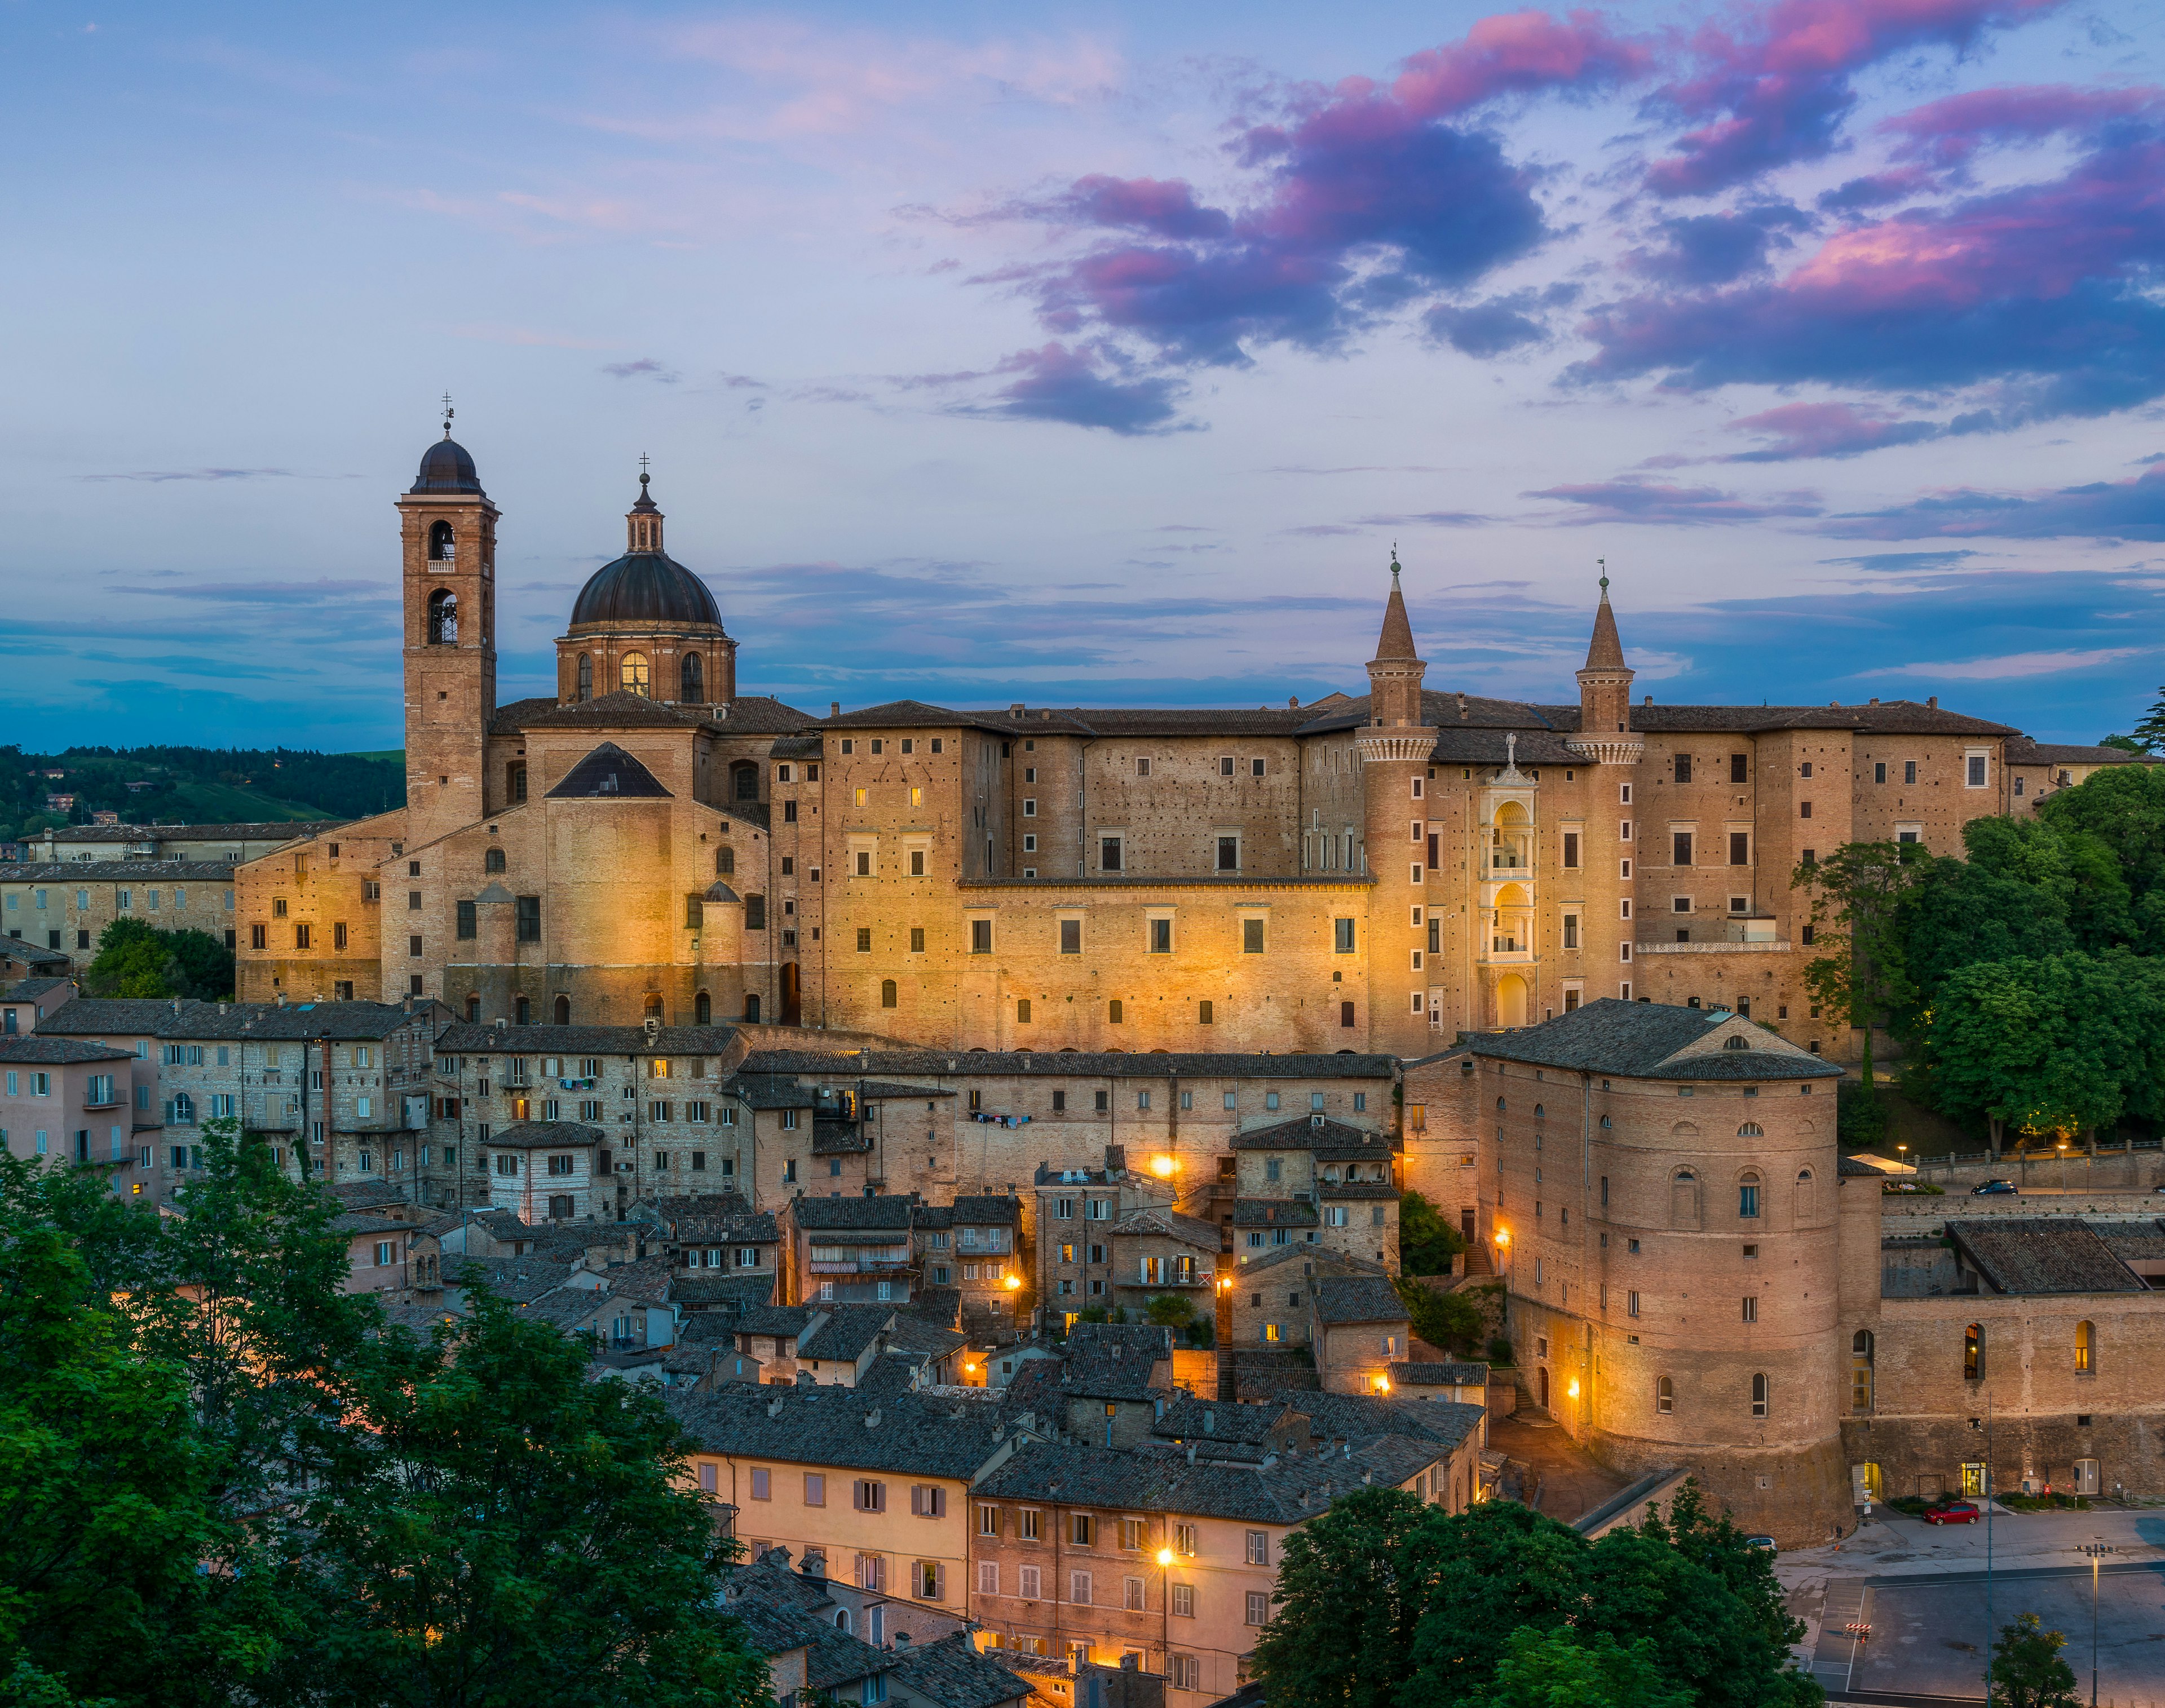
(910, 1063)
(1358, 1298)
(1286, 1491)
(1655, 1040)
(1310, 1132)
(297, 1021)
(903, 1433)
(469, 1038)
(545, 1135)
(2035, 1254)
(889, 1211)
(57, 1052)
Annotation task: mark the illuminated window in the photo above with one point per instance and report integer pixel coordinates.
(632, 673)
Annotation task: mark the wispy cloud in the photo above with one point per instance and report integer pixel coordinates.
(644, 368)
(2011, 665)
(159, 476)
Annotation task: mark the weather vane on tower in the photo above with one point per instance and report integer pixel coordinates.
(447, 415)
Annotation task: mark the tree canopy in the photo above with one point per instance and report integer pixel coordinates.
(135, 960)
(230, 1479)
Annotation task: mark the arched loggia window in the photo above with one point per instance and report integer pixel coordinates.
(443, 617)
(692, 674)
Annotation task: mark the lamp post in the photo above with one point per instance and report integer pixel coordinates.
(2096, 1551)
(1165, 1596)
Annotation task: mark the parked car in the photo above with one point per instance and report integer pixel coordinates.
(1951, 1512)
(1994, 1189)
(1765, 1541)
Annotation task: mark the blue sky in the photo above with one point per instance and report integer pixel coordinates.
(1093, 356)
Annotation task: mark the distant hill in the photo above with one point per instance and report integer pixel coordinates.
(194, 785)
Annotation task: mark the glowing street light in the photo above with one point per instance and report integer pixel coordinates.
(1164, 1556)
(1163, 1166)
(1013, 1283)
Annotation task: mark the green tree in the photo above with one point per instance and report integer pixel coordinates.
(1486, 1572)
(1343, 1631)
(508, 1531)
(100, 1481)
(2008, 899)
(2149, 735)
(2054, 1045)
(1857, 895)
(1170, 1310)
(2123, 807)
(1572, 1668)
(2027, 1671)
(1452, 1321)
(1426, 1242)
(136, 959)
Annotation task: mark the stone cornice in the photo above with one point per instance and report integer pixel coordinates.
(1413, 746)
(1624, 749)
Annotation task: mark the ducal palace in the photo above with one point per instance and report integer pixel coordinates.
(1374, 873)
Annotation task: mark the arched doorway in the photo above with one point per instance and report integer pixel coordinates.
(1542, 1382)
(563, 1010)
(1510, 1000)
(702, 1009)
(793, 996)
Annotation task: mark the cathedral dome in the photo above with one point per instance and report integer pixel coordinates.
(645, 586)
(446, 467)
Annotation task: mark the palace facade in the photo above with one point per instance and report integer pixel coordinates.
(1372, 872)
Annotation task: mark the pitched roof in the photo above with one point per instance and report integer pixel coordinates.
(1287, 1491)
(1273, 1213)
(1648, 1040)
(950, 1672)
(57, 1052)
(1168, 1224)
(1306, 1133)
(952, 1063)
(2034, 1255)
(1222, 1420)
(118, 871)
(986, 1210)
(2023, 751)
(1356, 1418)
(545, 1135)
(1443, 1375)
(1320, 1260)
(889, 1210)
(1115, 1360)
(295, 1022)
(710, 1218)
(1396, 641)
(289, 827)
(1358, 1298)
(781, 1320)
(355, 1223)
(609, 773)
(942, 1437)
(31, 955)
(470, 1037)
(846, 1332)
(520, 1280)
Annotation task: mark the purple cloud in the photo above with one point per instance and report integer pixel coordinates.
(1057, 383)
(1772, 84)
(1712, 248)
(2117, 510)
(645, 368)
(1369, 194)
(2042, 287)
(1648, 500)
(1824, 430)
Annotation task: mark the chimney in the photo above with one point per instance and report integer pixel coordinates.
(774, 1407)
(902, 1639)
(1934, 702)
(871, 1418)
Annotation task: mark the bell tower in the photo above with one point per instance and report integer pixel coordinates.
(1605, 695)
(448, 531)
(1397, 750)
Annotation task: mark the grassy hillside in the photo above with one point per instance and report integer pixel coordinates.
(194, 786)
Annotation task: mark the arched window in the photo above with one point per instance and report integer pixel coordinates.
(443, 617)
(1759, 1397)
(1114, 1014)
(1752, 1129)
(692, 677)
(1499, 1102)
(563, 1010)
(493, 860)
(751, 1010)
(473, 1009)
(184, 1106)
(1665, 1395)
(2086, 1349)
(1747, 1197)
(725, 861)
(585, 675)
(702, 1009)
(632, 674)
(744, 781)
(1683, 1199)
(1604, 1121)
(888, 997)
(523, 1012)
(1807, 1204)
(1973, 1353)
(1860, 1371)
(1738, 1042)
(442, 547)
(1540, 1113)
(653, 1006)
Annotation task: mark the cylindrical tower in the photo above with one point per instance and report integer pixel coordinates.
(1397, 748)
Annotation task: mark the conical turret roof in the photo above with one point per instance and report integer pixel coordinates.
(1396, 640)
(1606, 653)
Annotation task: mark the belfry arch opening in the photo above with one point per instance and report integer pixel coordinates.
(443, 617)
(443, 544)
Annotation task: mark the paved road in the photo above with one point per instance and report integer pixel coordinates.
(1572, 1484)
(1921, 1591)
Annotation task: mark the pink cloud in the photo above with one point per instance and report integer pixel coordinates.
(1949, 133)
(1799, 430)
(1772, 83)
(1517, 53)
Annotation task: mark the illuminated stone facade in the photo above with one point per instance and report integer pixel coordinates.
(1374, 874)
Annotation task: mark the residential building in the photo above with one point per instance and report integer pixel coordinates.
(225, 844)
(842, 1250)
(66, 905)
(69, 1100)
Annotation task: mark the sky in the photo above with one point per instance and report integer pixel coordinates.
(1091, 355)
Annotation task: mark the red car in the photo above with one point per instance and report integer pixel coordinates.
(1951, 1512)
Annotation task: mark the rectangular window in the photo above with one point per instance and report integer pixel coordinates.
(467, 926)
(1683, 768)
(1630, 1304)
(1251, 936)
(1259, 1547)
(1740, 767)
(1078, 1589)
(1029, 1524)
(1571, 931)
(1183, 1601)
(989, 1578)
(1131, 1595)
(1879, 771)
(1570, 849)
(1681, 849)
(1259, 1607)
(1183, 1541)
(870, 1496)
(1803, 809)
(1030, 1587)
(1071, 937)
(1976, 770)
(1341, 936)
(981, 937)
(529, 914)
(762, 1483)
(1229, 854)
(1908, 770)
(815, 1489)
(1750, 1307)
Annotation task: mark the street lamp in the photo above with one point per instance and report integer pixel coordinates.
(1163, 1167)
(2096, 1551)
(1165, 1595)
